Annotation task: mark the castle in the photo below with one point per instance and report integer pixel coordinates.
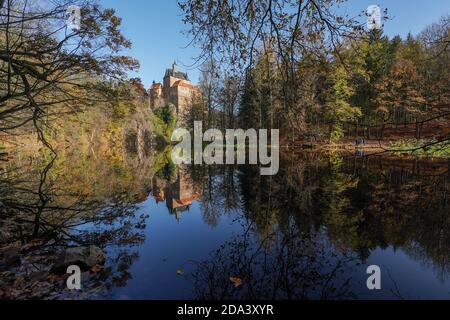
(178, 195)
(176, 89)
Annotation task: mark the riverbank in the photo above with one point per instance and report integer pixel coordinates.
(407, 148)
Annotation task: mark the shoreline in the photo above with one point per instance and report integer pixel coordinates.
(371, 148)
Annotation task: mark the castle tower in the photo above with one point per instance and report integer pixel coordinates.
(176, 89)
(156, 95)
(173, 75)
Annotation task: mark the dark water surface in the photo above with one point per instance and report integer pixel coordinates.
(223, 232)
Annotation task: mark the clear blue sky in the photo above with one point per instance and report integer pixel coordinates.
(155, 26)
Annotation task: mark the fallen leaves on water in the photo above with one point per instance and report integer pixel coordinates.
(53, 278)
(97, 268)
(20, 281)
(237, 282)
(101, 257)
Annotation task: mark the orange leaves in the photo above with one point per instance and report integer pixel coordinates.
(237, 282)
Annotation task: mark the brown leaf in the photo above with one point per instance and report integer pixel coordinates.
(20, 281)
(53, 278)
(237, 282)
(97, 268)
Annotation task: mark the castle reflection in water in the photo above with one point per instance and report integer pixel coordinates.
(178, 195)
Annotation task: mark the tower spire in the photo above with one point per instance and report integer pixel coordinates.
(175, 66)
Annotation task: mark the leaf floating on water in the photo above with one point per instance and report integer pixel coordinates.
(97, 268)
(237, 282)
(180, 271)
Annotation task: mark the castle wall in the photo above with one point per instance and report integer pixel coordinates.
(168, 83)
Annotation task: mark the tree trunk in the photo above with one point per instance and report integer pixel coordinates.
(417, 134)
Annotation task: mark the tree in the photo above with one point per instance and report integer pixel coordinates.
(209, 86)
(228, 100)
(338, 108)
(248, 108)
(233, 32)
(436, 67)
(48, 69)
(164, 122)
(400, 87)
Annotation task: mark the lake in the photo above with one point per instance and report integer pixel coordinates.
(226, 232)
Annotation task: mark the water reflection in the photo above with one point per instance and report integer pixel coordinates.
(178, 194)
(284, 265)
(47, 211)
(306, 233)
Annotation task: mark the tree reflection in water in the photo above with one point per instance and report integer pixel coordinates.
(321, 216)
(282, 266)
(42, 215)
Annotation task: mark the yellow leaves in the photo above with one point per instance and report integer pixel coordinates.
(383, 109)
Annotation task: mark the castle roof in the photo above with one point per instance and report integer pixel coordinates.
(185, 84)
(176, 73)
(157, 86)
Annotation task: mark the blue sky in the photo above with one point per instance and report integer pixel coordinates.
(155, 26)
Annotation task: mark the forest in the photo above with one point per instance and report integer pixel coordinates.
(322, 78)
